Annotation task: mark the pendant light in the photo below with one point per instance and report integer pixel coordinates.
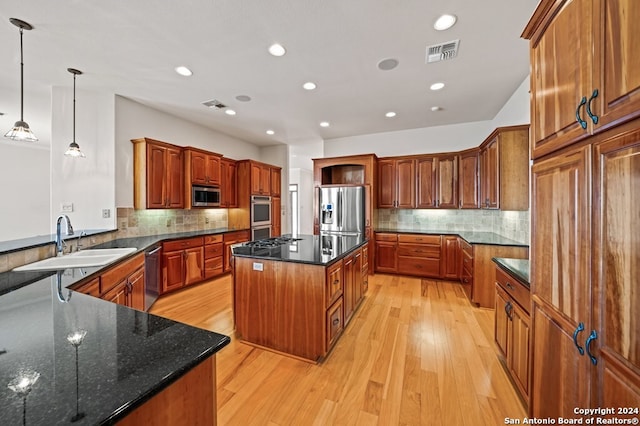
(21, 130)
(74, 148)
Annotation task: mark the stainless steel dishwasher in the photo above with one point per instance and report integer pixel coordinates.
(152, 275)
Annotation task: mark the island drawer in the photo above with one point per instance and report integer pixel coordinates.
(182, 244)
(334, 282)
(419, 239)
(516, 290)
(335, 323)
(211, 239)
(213, 250)
(386, 237)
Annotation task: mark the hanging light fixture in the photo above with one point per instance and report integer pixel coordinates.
(74, 148)
(21, 130)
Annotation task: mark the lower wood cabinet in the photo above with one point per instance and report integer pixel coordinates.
(229, 239)
(182, 263)
(451, 254)
(213, 255)
(335, 323)
(124, 283)
(419, 255)
(466, 267)
(483, 292)
(386, 252)
(352, 293)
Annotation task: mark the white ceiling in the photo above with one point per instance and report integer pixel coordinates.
(132, 47)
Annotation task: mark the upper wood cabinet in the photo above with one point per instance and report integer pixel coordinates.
(437, 181)
(276, 216)
(228, 176)
(583, 78)
(202, 167)
(427, 182)
(504, 169)
(396, 185)
(260, 178)
(468, 171)
(158, 175)
(276, 181)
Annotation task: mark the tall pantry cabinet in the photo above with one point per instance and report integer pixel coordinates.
(585, 257)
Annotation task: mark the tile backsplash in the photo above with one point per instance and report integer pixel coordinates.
(134, 223)
(510, 224)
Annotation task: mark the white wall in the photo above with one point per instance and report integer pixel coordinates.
(278, 155)
(88, 183)
(304, 179)
(134, 120)
(516, 110)
(24, 166)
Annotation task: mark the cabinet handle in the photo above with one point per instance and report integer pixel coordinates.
(509, 286)
(336, 282)
(593, 336)
(579, 119)
(335, 322)
(593, 117)
(464, 280)
(507, 309)
(575, 338)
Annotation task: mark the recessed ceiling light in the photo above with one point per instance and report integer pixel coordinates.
(277, 50)
(271, 132)
(309, 85)
(324, 124)
(436, 108)
(436, 86)
(184, 71)
(390, 114)
(387, 64)
(243, 98)
(445, 22)
(229, 112)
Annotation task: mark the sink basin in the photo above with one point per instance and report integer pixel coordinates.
(80, 259)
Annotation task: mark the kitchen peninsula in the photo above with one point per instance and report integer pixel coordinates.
(296, 295)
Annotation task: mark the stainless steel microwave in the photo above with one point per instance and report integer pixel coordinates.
(205, 196)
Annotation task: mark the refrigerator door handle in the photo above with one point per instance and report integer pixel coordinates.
(339, 211)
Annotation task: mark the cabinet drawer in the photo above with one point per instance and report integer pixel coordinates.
(467, 262)
(121, 271)
(211, 239)
(213, 267)
(213, 250)
(335, 323)
(514, 288)
(419, 250)
(237, 236)
(334, 282)
(419, 266)
(183, 244)
(386, 237)
(466, 247)
(92, 288)
(419, 239)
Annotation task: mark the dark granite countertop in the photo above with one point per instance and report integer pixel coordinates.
(518, 268)
(311, 249)
(485, 238)
(43, 240)
(126, 357)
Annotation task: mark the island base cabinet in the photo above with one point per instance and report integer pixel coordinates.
(335, 323)
(189, 401)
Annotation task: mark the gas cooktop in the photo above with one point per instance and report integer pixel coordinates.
(271, 242)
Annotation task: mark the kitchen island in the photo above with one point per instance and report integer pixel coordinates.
(296, 296)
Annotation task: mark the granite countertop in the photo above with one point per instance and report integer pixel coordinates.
(311, 249)
(519, 268)
(485, 238)
(125, 358)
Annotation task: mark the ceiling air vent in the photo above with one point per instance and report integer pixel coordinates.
(214, 103)
(442, 52)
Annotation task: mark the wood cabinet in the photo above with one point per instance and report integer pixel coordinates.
(253, 178)
(583, 80)
(335, 285)
(228, 190)
(182, 263)
(512, 331)
(365, 268)
(276, 216)
(213, 255)
(396, 184)
(91, 288)
(158, 175)
(468, 171)
(483, 292)
(451, 255)
(466, 267)
(420, 255)
(276, 181)
(447, 178)
(260, 179)
(427, 182)
(124, 283)
(229, 239)
(352, 283)
(386, 252)
(202, 167)
(504, 169)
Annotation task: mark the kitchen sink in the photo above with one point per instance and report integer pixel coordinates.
(79, 259)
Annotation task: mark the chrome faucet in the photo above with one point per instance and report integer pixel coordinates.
(68, 231)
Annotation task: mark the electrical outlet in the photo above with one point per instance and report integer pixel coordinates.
(66, 207)
(168, 222)
(106, 213)
(206, 219)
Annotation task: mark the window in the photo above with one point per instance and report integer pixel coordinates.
(293, 202)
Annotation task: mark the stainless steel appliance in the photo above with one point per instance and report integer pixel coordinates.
(260, 210)
(152, 276)
(260, 232)
(342, 210)
(205, 196)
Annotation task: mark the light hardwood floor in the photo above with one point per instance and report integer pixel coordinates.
(415, 353)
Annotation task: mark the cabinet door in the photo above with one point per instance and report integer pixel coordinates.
(490, 183)
(617, 57)
(560, 282)
(468, 177)
(406, 184)
(502, 321)
(357, 277)
(228, 192)
(561, 68)
(198, 168)
(348, 296)
(386, 184)
(156, 175)
(213, 169)
(136, 290)
(173, 272)
(617, 262)
(194, 265)
(386, 256)
(451, 258)
(276, 182)
(256, 187)
(276, 217)
(174, 179)
(447, 197)
(117, 294)
(265, 180)
(334, 282)
(426, 181)
(518, 352)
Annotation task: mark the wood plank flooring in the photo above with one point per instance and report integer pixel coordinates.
(415, 353)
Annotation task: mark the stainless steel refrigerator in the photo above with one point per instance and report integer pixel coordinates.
(342, 210)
